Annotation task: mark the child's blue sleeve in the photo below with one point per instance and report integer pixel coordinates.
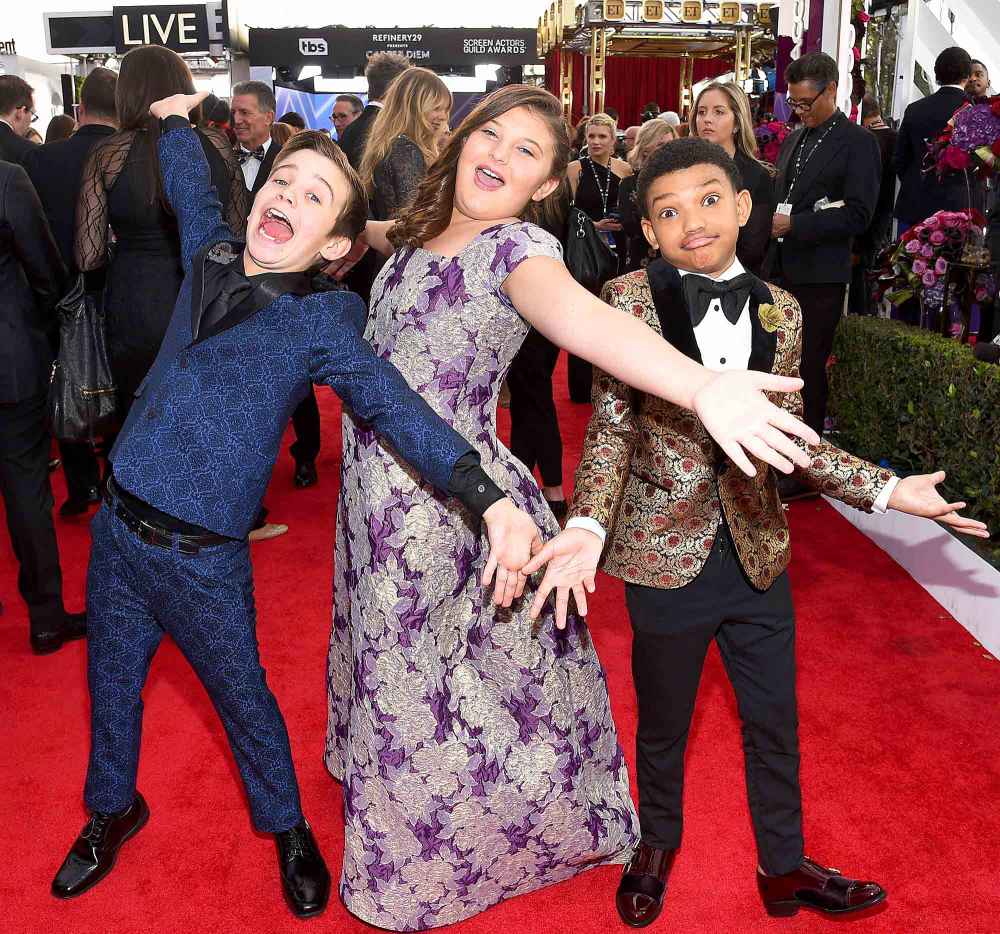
(187, 183)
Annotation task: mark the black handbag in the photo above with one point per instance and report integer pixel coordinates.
(589, 259)
(82, 401)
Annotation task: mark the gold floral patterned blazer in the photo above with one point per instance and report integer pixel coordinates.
(655, 480)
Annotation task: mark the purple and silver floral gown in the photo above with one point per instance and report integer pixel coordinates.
(476, 749)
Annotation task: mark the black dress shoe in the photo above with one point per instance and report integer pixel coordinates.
(74, 627)
(54, 463)
(817, 887)
(305, 474)
(77, 505)
(644, 883)
(93, 854)
(304, 876)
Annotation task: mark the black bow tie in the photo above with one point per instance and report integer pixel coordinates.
(244, 154)
(699, 292)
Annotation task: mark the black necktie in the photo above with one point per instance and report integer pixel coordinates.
(244, 154)
(699, 291)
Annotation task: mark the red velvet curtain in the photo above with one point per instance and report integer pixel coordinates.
(631, 83)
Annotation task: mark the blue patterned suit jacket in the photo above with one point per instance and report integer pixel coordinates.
(205, 427)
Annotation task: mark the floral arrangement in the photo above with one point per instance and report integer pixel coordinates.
(919, 262)
(970, 140)
(770, 136)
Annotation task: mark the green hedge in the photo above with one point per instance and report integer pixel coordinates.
(921, 402)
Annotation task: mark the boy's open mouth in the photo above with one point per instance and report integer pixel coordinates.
(275, 226)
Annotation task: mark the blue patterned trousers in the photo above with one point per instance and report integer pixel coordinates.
(137, 593)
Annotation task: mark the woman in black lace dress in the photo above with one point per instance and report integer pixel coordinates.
(594, 180)
(405, 138)
(122, 195)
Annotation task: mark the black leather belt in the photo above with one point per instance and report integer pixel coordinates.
(153, 534)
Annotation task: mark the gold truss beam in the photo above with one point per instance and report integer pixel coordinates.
(598, 60)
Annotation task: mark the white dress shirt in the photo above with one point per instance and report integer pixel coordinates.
(252, 166)
(724, 346)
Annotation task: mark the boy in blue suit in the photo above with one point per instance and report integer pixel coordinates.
(190, 467)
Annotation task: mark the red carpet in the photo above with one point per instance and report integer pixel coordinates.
(901, 771)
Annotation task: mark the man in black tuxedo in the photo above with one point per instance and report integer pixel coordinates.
(17, 113)
(920, 193)
(253, 109)
(826, 189)
(380, 71)
(32, 279)
(55, 170)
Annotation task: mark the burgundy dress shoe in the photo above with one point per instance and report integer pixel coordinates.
(814, 886)
(644, 883)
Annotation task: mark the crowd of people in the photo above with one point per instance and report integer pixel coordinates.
(412, 266)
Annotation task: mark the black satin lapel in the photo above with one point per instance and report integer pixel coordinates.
(763, 343)
(264, 293)
(198, 290)
(671, 308)
(784, 158)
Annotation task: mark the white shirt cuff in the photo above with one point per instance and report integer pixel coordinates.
(881, 504)
(591, 525)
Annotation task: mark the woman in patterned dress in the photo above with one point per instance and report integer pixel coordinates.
(476, 750)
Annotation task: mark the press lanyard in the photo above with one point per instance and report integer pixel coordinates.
(801, 163)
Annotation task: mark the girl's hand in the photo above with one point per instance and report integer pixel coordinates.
(735, 411)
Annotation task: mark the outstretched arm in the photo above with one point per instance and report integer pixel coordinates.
(731, 405)
(187, 179)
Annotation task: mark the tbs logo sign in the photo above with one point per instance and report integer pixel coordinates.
(315, 46)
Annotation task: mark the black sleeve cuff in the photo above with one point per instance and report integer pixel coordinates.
(470, 484)
(174, 122)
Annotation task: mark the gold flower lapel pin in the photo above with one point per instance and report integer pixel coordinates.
(770, 317)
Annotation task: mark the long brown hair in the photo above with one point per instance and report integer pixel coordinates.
(430, 213)
(739, 104)
(405, 112)
(148, 74)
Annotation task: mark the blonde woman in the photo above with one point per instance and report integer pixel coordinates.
(404, 139)
(721, 114)
(594, 180)
(652, 134)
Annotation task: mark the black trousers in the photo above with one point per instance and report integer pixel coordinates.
(80, 467)
(579, 377)
(24, 482)
(534, 425)
(755, 632)
(822, 307)
(305, 421)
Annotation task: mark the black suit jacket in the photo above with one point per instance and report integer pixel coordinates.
(846, 167)
(55, 170)
(13, 148)
(921, 195)
(32, 280)
(355, 135)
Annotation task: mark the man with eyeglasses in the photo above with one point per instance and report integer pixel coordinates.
(346, 109)
(17, 113)
(829, 172)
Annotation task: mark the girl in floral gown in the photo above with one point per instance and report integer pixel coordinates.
(476, 749)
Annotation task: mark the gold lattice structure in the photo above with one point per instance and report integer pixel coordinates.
(684, 29)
